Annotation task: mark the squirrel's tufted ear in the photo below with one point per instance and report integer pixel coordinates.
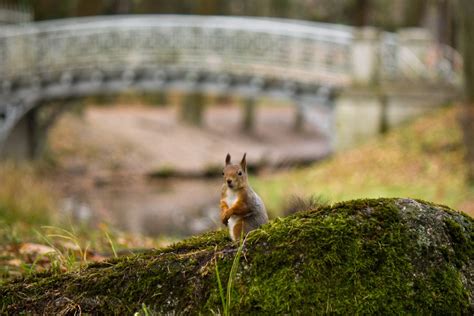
(243, 163)
(227, 160)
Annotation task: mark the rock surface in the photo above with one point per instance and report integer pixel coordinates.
(381, 256)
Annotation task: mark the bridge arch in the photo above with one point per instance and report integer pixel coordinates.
(17, 111)
(246, 57)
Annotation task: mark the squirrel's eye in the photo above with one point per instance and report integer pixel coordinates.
(222, 172)
(240, 173)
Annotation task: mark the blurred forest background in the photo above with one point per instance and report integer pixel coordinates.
(436, 15)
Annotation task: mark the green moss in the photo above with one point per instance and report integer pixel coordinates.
(381, 256)
(462, 242)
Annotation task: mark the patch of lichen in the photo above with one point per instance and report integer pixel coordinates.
(384, 256)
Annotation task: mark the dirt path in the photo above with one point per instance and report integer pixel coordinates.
(142, 140)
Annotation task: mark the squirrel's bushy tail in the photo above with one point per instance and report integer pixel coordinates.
(298, 203)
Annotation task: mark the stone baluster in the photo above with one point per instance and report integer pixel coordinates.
(365, 56)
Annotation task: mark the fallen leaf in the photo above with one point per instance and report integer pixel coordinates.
(30, 249)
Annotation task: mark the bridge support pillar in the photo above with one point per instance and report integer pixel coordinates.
(248, 125)
(365, 55)
(160, 98)
(358, 117)
(314, 114)
(28, 138)
(25, 141)
(192, 108)
(361, 114)
(298, 124)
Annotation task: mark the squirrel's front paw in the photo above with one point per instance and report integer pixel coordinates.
(224, 219)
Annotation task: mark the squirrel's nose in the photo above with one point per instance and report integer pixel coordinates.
(229, 181)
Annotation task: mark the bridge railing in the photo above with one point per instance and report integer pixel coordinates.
(419, 59)
(261, 47)
(271, 48)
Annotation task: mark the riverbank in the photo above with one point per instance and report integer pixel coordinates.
(131, 165)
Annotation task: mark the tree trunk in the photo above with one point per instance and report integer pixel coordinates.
(50, 9)
(123, 7)
(466, 12)
(467, 123)
(361, 12)
(444, 25)
(413, 12)
(89, 8)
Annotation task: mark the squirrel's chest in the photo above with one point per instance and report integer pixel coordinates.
(231, 198)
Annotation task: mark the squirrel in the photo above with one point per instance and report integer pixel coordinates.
(242, 210)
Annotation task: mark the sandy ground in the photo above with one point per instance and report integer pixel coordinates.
(144, 140)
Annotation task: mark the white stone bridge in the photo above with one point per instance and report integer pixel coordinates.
(308, 63)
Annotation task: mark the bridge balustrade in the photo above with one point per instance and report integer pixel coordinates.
(260, 47)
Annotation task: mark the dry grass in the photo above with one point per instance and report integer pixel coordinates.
(421, 160)
(25, 195)
(35, 235)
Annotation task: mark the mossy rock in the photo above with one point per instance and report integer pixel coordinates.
(381, 256)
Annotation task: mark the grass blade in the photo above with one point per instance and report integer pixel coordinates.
(111, 244)
(221, 290)
(233, 272)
